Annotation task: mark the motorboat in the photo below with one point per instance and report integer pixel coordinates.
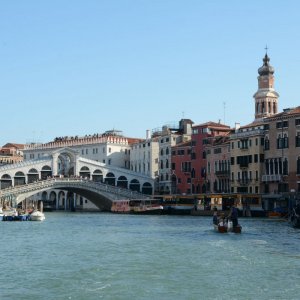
(37, 216)
(224, 227)
(137, 206)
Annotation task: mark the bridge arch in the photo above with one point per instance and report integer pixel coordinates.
(6, 181)
(66, 162)
(97, 175)
(46, 172)
(44, 196)
(85, 172)
(19, 178)
(122, 182)
(61, 199)
(110, 179)
(32, 175)
(147, 188)
(135, 185)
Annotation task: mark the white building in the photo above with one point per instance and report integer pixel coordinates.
(110, 148)
(144, 156)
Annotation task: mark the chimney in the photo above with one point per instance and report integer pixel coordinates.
(237, 126)
(148, 134)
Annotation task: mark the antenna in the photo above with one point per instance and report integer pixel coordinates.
(224, 108)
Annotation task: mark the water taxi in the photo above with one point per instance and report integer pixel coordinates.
(136, 206)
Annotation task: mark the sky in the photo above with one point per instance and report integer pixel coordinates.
(86, 66)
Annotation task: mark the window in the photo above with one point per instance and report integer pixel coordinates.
(266, 127)
(267, 144)
(297, 141)
(297, 122)
(232, 161)
(285, 141)
(285, 167)
(173, 166)
(109, 150)
(232, 145)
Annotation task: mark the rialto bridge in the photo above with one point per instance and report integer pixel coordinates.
(65, 170)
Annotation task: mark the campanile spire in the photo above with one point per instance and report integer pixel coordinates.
(266, 98)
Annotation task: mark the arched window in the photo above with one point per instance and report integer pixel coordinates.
(267, 143)
(167, 164)
(167, 151)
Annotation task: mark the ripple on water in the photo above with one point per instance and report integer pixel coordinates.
(93, 256)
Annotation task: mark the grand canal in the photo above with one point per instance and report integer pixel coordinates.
(106, 256)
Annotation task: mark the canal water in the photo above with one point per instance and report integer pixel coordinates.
(109, 256)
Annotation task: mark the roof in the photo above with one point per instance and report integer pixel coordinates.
(13, 145)
(285, 113)
(212, 125)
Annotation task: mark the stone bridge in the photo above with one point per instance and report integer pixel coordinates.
(98, 193)
(66, 162)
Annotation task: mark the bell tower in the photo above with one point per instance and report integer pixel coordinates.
(266, 98)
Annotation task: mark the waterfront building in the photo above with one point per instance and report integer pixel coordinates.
(218, 164)
(201, 137)
(11, 153)
(110, 148)
(168, 136)
(247, 158)
(144, 156)
(281, 174)
(189, 165)
(181, 168)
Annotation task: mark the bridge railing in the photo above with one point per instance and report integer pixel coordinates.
(117, 169)
(24, 163)
(69, 182)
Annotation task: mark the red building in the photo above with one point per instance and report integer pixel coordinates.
(189, 159)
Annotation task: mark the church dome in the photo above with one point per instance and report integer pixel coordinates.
(266, 69)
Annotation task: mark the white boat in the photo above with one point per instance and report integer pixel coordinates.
(1, 214)
(37, 216)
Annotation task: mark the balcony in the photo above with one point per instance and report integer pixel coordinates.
(244, 181)
(244, 165)
(272, 178)
(223, 173)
